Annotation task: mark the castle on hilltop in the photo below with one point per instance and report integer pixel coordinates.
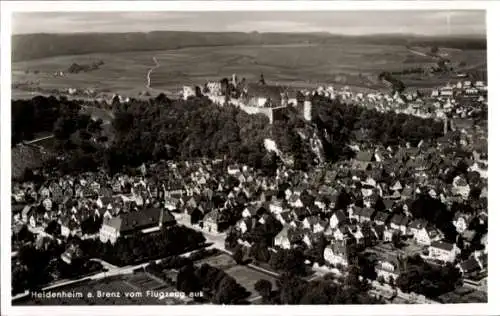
(253, 98)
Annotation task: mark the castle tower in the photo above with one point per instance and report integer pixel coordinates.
(307, 108)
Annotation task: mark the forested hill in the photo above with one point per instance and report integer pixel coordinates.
(33, 46)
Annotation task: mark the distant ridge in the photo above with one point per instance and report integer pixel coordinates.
(42, 45)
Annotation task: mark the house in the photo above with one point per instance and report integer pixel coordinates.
(444, 251)
(309, 238)
(249, 211)
(26, 213)
(73, 252)
(246, 224)
(377, 232)
(416, 225)
(337, 218)
(310, 221)
(460, 187)
(363, 160)
(171, 203)
(295, 201)
(342, 233)
(194, 215)
(284, 217)
(469, 266)
(145, 221)
(233, 169)
(461, 222)
(407, 193)
(337, 253)
(320, 226)
(276, 207)
(212, 221)
(389, 268)
(399, 222)
(381, 218)
(357, 233)
(426, 235)
(468, 237)
(388, 233)
(70, 227)
(355, 213)
(282, 239)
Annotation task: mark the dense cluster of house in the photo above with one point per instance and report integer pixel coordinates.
(207, 193)
(217, 196)
(119, 206)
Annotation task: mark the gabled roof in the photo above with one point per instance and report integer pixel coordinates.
(398, 219)
(137, 220)
(356, 210)
(287, 216)
(388, 204)
(341, 217)
(367, 212)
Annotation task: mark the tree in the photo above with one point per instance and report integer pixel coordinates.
(294, 262)
(230, 292)
(186, 280)
(264, 288)
(238, 254)
(52, 228)
(397, 240)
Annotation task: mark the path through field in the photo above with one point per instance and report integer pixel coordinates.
(148, 75)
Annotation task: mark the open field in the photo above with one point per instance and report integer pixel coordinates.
(247, 277)
(301, 65)
(244, 275)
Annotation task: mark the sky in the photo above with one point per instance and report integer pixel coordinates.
(337, 22)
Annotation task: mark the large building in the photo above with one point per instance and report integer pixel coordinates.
(144, 221)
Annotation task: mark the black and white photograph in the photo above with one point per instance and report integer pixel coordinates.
(246, 157)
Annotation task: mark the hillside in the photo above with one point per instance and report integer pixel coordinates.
(34, 46)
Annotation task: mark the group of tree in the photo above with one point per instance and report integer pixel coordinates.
(217, 285)
(430, 280)
(34, 266)
(161, 128)
(407, 71)
(436, 213)
(33, 116)
(343, 123)
(396, 84)
(193, 128)
(292, 290)
(76, 68)
(143, 247)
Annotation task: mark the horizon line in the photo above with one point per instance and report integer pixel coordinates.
(456, 35)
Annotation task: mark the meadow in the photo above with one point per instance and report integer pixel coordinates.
(357, 65)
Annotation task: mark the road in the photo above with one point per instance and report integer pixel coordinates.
(148, 75)
(38, 139)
